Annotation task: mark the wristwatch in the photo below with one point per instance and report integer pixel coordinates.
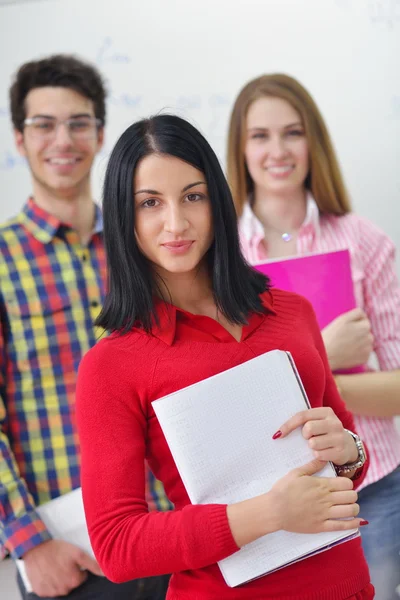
(362, 456)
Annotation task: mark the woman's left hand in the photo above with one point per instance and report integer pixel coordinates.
(325, 434)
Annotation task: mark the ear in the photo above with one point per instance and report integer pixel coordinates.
(100, 139)
(19, 142)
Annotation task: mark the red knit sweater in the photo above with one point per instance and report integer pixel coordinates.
(118, 380)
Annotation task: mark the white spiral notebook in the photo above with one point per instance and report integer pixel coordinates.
(220, 432)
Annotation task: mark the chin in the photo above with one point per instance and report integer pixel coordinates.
(282, 186)
(179, 268)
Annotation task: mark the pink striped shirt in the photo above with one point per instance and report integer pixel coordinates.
(377, 292)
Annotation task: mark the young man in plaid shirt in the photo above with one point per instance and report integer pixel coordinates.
(52, 285)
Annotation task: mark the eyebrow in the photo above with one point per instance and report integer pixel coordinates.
(185, 189)
(75, 116)
(297, 124)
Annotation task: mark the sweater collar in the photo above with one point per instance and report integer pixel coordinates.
(168, 315)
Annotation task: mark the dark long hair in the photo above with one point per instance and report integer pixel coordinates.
(132, 284)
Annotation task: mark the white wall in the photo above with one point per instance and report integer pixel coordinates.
(192, 56)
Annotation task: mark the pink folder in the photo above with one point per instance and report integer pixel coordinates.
(324, 279)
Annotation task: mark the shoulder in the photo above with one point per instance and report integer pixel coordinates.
(358, 231)
(293, 318)
(11, 244)
(9, 229)
(132, 355)
(287, 304)
(118, 371)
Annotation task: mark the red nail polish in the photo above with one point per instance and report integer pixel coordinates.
(364, 523)
(277, 435)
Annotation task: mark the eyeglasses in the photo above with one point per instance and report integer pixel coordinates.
(79, 128)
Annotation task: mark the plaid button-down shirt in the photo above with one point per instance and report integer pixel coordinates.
(51, 290)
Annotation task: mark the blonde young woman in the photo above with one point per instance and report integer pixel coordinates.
(291, 199)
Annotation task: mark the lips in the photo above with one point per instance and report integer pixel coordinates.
(62, 161)
(180, 247)
(180, 244)
(280, 169)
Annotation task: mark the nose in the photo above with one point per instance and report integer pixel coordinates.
(175, 219)
(62, 136)
(277, 147)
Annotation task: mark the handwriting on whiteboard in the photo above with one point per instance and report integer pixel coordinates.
(208, 111)
(214, 106)
(10, 160)
(107, 54)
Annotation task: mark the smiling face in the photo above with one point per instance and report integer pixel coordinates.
(60, 164)
(173, 216)
(276, 149)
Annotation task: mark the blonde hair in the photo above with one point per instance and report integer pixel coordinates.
(324, 179)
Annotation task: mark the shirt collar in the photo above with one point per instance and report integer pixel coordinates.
(98, 222)
(44, 226)
(164, 328)
(252, 227)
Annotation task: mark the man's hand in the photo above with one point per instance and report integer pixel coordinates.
(55, 568)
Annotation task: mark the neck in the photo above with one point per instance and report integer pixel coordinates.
(283, 213)
(76, 208)
(190, 291)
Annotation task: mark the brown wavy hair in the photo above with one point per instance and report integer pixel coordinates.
(324, 179)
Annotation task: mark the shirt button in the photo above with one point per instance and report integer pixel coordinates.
(94, 303)
(84, 256)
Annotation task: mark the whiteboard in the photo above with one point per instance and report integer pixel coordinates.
(192, 57)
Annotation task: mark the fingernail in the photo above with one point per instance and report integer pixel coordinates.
(277, 435)
(364, 523)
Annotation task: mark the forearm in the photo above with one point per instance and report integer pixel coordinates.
(23, 534)
(139, 544)
(178, 540)
(20, 526)
(251, 519)
(375, 394)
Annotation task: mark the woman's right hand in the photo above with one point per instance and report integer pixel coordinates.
(348, 340)
(298, 502)
(306, 504)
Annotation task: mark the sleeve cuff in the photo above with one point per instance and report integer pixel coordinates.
(24, 533)
(225, 544)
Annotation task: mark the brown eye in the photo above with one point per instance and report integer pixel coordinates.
(150, 203)
(259, 136)
(194, 197)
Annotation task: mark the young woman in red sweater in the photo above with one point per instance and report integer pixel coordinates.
(184, 305)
